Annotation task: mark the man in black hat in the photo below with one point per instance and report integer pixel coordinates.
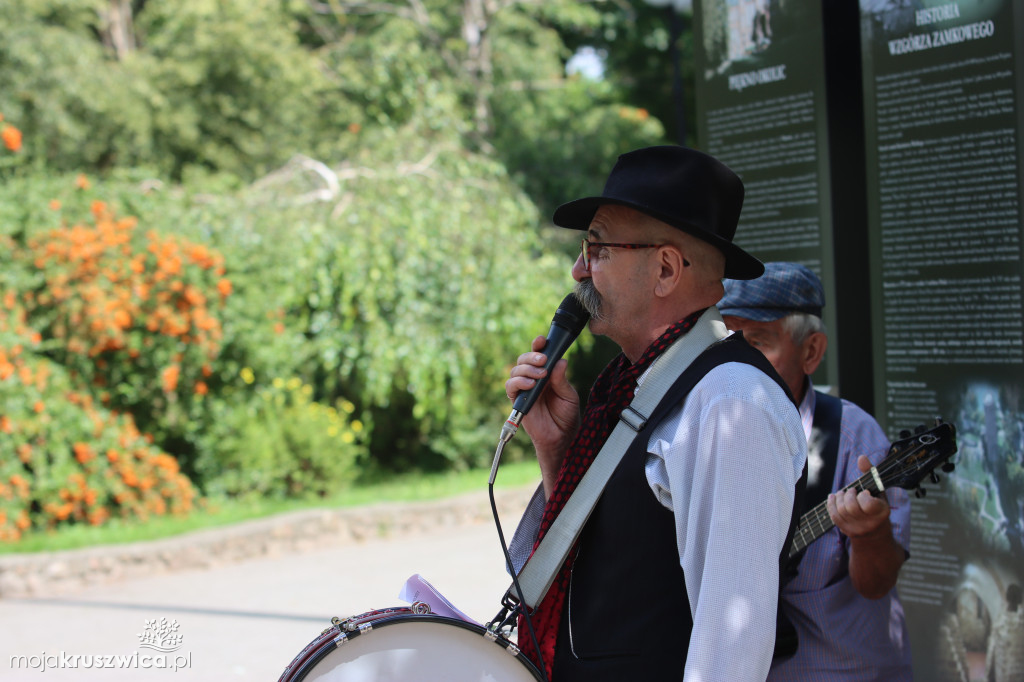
(676, 572)
(843, 602)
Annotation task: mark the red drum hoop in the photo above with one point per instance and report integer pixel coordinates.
(401, 645)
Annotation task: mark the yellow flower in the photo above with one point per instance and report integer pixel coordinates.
(356, 425)
(247, 375)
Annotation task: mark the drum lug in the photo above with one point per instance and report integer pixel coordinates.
(340, 639)
(493, 635)
(363, 620)
(335, 625)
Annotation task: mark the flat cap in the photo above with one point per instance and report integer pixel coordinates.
(784, 288)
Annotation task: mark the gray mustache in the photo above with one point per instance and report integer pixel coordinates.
(589, 298)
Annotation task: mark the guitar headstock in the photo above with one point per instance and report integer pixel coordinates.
(917, 454)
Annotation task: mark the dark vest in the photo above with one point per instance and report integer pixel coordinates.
(627, 615)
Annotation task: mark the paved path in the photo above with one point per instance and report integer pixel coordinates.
(245, 621)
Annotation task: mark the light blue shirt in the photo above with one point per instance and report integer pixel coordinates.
(842, 635)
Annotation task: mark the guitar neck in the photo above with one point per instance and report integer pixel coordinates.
(908, 462)
(817, 522)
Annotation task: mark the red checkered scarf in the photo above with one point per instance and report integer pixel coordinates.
(610, 395)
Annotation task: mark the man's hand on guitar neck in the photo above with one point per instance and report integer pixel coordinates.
(875, 556)
(859, 514)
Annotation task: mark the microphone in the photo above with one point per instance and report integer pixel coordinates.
(566, 325)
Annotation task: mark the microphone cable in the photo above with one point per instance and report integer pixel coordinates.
(501, 618)
(569, 320)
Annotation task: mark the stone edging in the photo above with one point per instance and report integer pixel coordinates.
(47, 573)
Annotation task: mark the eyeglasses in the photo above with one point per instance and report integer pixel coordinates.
(587, 245)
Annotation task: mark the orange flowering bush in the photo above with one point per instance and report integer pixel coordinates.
(132, 314)
(67, 459)
(10, 147)
(10, 136)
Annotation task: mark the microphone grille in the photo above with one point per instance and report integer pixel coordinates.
(571, 315)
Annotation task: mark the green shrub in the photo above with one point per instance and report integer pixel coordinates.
(282, 444)
(413, 291)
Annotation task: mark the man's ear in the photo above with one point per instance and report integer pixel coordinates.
(670, 263)
(812, 351)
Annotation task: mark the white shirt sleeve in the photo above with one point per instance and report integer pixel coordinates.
(726, 463)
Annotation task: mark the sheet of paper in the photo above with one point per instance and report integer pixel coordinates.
(417, 588)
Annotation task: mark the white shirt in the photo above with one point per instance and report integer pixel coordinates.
(726, 463)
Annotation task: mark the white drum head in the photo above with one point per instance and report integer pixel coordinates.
(420, 649)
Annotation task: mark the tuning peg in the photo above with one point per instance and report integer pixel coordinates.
(934, 477)
(904, 434)
(948, 466)
(938, 421)
(920, 492)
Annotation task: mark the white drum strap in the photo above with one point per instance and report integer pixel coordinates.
(541, 569)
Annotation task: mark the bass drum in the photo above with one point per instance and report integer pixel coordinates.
(395, 645)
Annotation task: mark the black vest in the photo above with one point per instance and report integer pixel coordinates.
(627, 615)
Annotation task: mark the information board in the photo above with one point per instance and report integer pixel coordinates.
(942, 93)
(760, 89)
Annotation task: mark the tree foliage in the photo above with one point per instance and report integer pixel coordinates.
(230, 86)
(222, 85)
(78, 109)
(238, 86)
(648, 55)
(494, 72)
(373, 180)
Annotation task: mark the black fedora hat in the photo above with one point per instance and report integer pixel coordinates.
(680, 186)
